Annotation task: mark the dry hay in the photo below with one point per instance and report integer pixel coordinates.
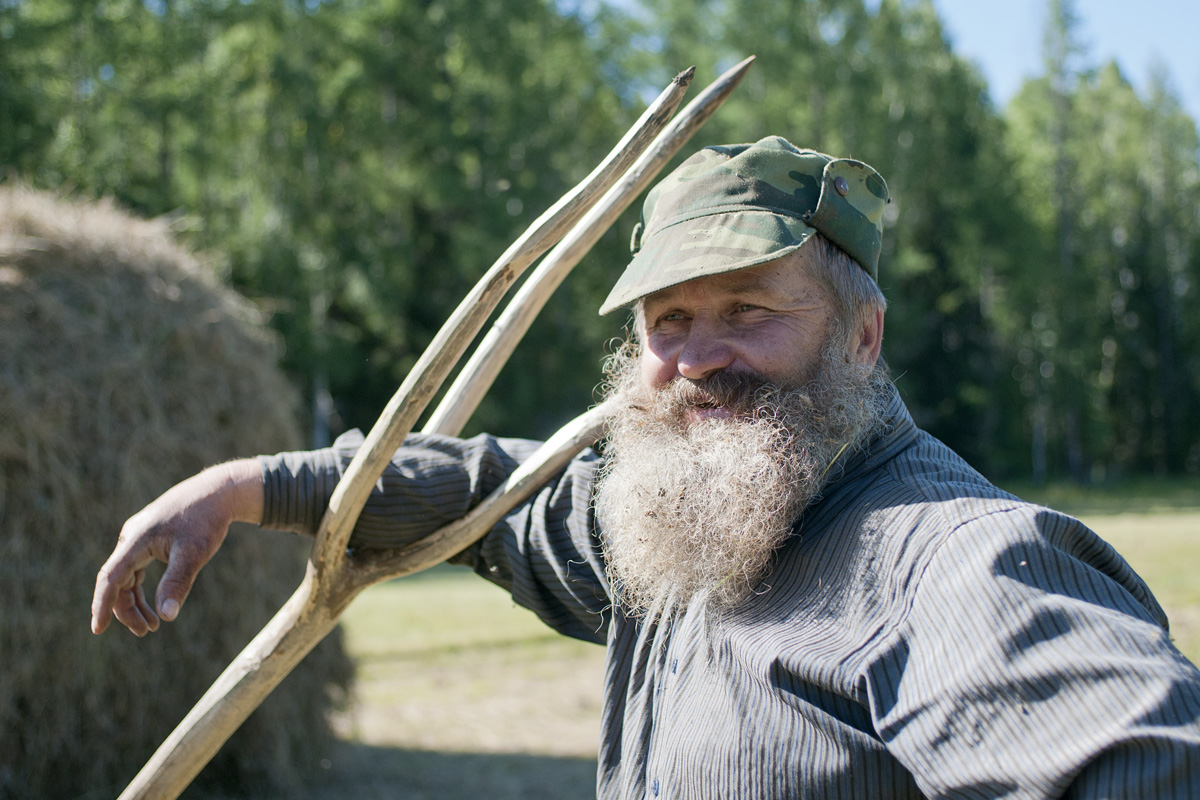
(125, 367)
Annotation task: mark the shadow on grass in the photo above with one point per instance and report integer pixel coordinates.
(366, 772)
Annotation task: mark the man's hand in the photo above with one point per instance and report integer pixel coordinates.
(183, 528)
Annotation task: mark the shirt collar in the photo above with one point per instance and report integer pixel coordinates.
(895, 433)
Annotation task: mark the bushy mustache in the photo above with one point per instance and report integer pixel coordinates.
(745, 394)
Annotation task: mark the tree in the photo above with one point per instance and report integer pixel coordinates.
(1111, 187)
(358, 163)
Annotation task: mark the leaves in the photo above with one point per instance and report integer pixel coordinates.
(360, 163)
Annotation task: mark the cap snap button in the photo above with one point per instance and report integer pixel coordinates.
(842, 187)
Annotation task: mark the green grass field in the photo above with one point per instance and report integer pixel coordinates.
(461, 694)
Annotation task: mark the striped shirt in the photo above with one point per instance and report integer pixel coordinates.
(922, 633)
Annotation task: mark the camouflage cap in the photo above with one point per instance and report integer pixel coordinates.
(736, 206)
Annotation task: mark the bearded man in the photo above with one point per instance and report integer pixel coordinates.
(801, 593)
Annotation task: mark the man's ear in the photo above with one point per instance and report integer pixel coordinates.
(870, 340)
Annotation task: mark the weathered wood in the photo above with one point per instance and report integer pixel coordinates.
(473, 382)
(287, 638)
(460, 329)
(328, 585)
(550, 459)
(314, 609)
(333, 578)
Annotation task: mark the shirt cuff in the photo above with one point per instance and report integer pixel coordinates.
(297, 487)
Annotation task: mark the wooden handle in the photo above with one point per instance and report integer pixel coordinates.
(464, 324)
(314, 609)
(546, 462)
(473, 382)
(328, 584)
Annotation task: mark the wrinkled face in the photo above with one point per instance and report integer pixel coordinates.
(742, 391)
(771, 321)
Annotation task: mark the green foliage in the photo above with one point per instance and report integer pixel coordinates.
(1107, 354)
(360, 164)
(1036, 263)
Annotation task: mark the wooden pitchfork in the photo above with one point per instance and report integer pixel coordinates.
(334, 576)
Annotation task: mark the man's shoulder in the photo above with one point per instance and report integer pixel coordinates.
(927, 506)
(903, 466)
(906, 472)
(897, 514)
(926, 494)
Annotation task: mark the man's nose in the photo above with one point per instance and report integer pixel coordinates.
(703, 354)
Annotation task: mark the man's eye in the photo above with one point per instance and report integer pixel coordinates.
(747, 307)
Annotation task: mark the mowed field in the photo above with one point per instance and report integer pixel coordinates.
(462, 695)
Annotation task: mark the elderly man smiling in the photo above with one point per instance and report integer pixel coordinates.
(801, 593)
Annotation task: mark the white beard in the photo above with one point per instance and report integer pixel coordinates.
(687, 508)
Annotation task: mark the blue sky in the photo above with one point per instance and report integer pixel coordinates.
(1004, 40)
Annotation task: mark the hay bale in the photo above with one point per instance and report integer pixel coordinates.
(124, 368)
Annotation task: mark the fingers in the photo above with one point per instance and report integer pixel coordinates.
(176, 582)
(143, 608)
(122, 595)
(132, 610)
(101, 611)
(109, 584)
(120, 589)
(183, 528)
(119, 593)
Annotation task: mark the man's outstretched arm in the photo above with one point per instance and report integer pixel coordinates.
(183, 528)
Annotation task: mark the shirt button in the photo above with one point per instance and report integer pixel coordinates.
(654, 787)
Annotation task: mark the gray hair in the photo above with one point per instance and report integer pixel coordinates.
(855, 296)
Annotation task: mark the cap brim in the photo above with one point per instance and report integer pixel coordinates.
(707, 245)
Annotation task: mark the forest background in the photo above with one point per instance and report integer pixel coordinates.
(353, 166)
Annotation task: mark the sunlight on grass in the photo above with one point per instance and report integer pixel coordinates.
(446, 608)
(1164, 548)
(448, 662)
(1140, 495)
